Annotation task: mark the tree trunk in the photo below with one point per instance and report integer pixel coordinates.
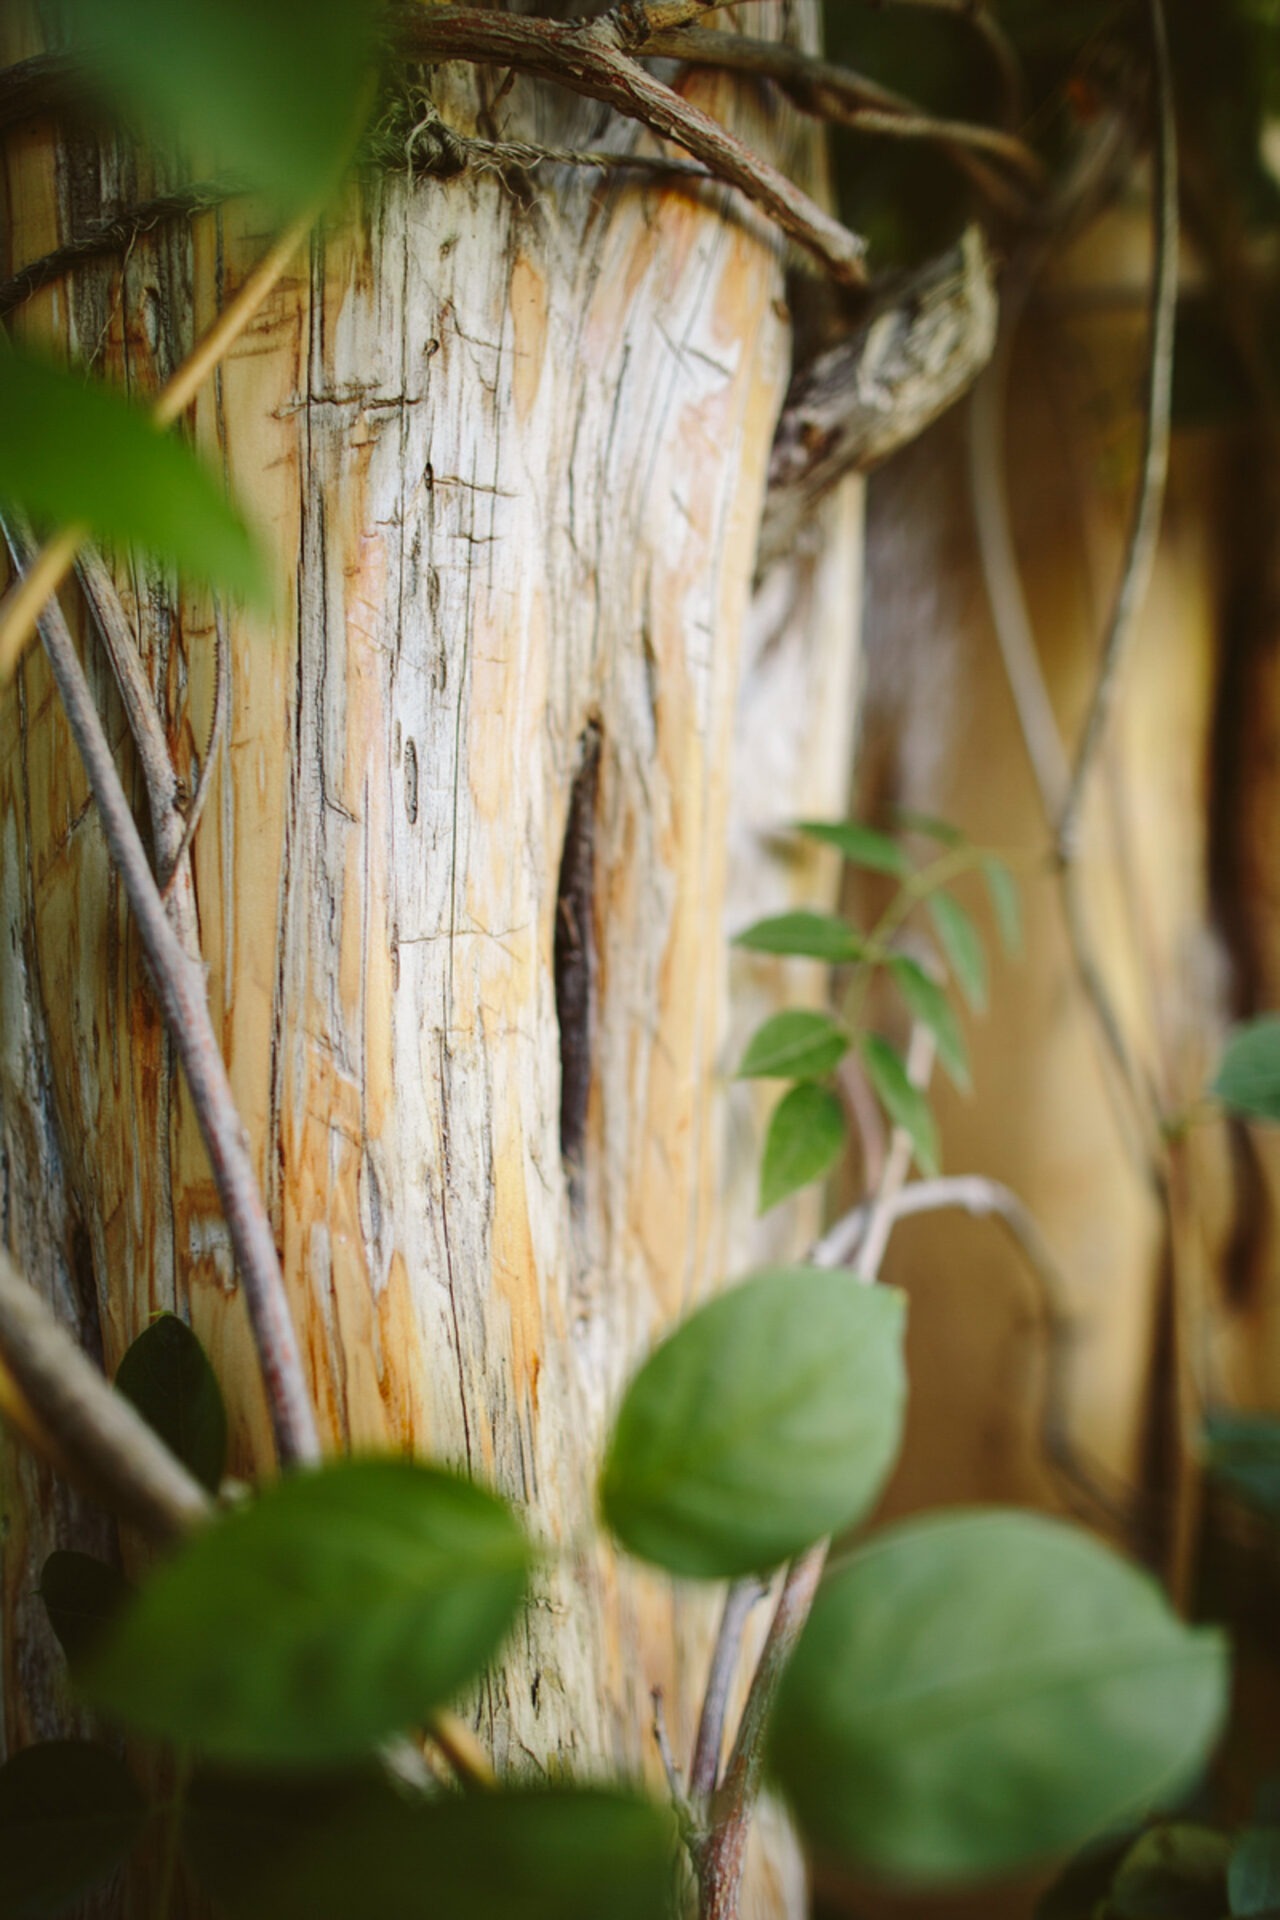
(497, 776)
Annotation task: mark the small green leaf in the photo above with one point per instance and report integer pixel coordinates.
(1248, 1079)
(799, 1045)
(1006, 903)
(1243, 1452)
(928, 1003)
(167, 1376)
(1253, 1877)
(1174, 1872)
(806, 1137)
(861, 846)
(905, 1105)
(70, 1813)
(74, 451)
(344, 1603)
(1079, 1891)
(977, 1691)
(814, 936)
(351, 1850)
(962, 944)
(930, 826)
(82, 1596)
(271, 90)
(768, 1420)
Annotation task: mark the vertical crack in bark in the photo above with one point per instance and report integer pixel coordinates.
(574, 956)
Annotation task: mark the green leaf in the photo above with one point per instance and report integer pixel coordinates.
(814, 936)
(962, 944)
(1243, 1452)
(806, 1137)
(976, 1691)
(905, 1105)
(69, 1815)
(270, 90)
(1006, 903)
(82, 1596)
(167, 1376)
(1175, 1872)
(928, 1003)
(930, 826)
(344, 1603)
(351, 1851)
(1253, 1877)
(800, 1045)
(76, 452)
(768, 1420)
(1248, 1079)
(861, 846)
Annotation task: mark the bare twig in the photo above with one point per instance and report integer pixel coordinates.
(90, 1431)
(462, 1750)
(114, 235)
(720, 1859)
(705, 1770)
(584, 59)
(852, 407)
(180, 988)
(1145, 527)
(21, 605)
(850, 99)
(721, 1852)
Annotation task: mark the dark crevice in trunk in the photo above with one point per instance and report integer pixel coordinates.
(574, 954)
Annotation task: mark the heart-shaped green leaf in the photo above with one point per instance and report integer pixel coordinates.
(861, 846)
(800, 1045)
(928, 1003)
(271, 90)
(806, 1137)
(167, 1376)
(82, 1597)
(1248, 1078)
(70, 1813)
(354, 1849)
(1173, 1872)
(976, 1691)
(74, 451)
(344, 1603)
(812, 936)
(768, 1420)
(962, 944)
(904, 1103)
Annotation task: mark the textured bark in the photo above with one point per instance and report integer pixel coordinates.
(464, 878)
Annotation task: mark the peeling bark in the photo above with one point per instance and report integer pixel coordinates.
(462, 881)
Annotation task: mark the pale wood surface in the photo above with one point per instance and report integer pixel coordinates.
(509, 449)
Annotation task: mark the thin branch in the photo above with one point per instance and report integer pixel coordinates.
(90, 1431)
(705, 1770)
(920, 1057)
(21, 605)
(115, 235)
(840, 94)
(985, 1199)
(582, 58)
(43, 84)
(1144, 531)
(180, 989)
(720, 1859)
(462, 1750)
(914, 356)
